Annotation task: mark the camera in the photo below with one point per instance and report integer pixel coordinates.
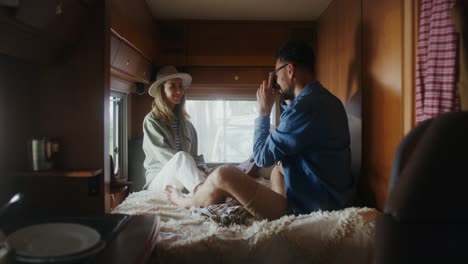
(274, 83)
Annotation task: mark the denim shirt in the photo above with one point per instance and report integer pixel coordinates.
(312, 141)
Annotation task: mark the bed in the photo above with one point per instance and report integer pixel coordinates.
(195, 236)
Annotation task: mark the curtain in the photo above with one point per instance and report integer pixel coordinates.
(436, 70)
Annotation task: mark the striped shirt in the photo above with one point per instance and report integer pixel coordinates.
(175, 129)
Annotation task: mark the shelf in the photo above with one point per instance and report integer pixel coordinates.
(78, 173)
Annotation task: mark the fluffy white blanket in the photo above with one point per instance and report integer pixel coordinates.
(344, 236)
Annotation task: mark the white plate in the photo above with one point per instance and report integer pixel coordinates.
(53, 240)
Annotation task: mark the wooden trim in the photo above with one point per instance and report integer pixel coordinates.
(106, 179)
(121, 85)
(226, 60)
(222, 91)
(410, 32)
(125, 76)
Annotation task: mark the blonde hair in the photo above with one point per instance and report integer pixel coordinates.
(163, 111)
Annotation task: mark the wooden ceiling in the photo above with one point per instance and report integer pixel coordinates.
(237, 10)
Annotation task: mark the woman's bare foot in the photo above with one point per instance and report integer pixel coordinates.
(176, 197)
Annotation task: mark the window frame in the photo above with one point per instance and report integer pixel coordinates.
(122, 132)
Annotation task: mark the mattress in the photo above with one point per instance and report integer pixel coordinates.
(186, 236)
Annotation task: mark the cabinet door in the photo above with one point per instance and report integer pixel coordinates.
(237, 44)
(232, 76)
(127, 59)
(128, 64)
(228, 82)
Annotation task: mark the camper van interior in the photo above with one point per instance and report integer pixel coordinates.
(74, 80)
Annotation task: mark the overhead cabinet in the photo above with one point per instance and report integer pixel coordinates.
(127, 64)
(226, 43)
(126, 60)
(227, 82)
(234, 76)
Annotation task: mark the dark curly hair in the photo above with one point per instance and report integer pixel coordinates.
(297, 52)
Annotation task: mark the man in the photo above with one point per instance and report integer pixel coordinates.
(311, 142)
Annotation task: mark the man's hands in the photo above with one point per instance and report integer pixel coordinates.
(266, 97)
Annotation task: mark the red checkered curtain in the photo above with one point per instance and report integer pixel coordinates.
(436, 91)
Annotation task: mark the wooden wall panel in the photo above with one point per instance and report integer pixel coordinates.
(360, 59)
(140, 106)
(339, 55)
(18, 118)
(339, 48)
(382, 84)
(73, 107)
(67, 100)
(327, 38)
(132, 20)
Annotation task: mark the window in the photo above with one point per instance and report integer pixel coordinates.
(118, 133)
(225, 128)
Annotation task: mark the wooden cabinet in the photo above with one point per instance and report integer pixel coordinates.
(208, 43)
(126, 59)
(232, 76)
(133, 21)
(43, 31)
(128, 66)
(240, 82)
(237, 44)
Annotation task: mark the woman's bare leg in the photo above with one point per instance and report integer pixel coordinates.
(277, 180)
(229, 181)
(206, 194)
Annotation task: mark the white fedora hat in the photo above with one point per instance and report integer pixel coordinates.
(166, 73)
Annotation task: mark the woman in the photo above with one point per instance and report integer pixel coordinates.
(170, 140)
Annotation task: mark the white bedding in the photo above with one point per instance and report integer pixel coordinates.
(344, 236)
